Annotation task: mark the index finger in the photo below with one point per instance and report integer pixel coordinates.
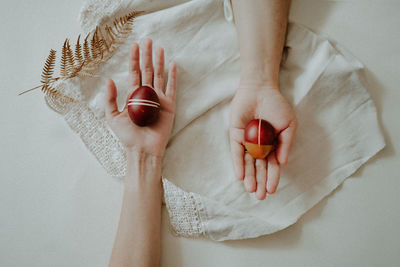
(134, 65)
(147, 57)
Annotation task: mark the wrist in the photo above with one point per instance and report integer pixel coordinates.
(134, 150)
(258, 76)
(143, 169)
(249, 84)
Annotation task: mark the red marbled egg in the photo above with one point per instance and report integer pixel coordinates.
(144, 106)
(259, 138)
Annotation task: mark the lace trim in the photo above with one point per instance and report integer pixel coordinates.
(185, 210)
(97, 137)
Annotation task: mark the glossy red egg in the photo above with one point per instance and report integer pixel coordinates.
(259, 137)
(144, 106)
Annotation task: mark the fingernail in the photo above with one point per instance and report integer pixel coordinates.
(270, 191)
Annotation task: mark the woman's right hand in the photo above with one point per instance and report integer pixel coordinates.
(254, 99)
(153, 138)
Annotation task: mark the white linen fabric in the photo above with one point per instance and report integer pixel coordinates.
(337, 133)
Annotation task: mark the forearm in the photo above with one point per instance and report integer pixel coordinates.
(261, 26)
(138, 238)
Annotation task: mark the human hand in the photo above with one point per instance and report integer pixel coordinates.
(255, 100)
(153, 138)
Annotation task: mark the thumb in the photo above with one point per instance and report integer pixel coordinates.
(237, 152)
(111, 108)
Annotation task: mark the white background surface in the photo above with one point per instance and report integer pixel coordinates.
(59, 208)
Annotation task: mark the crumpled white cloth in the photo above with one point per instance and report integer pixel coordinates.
(337, 133)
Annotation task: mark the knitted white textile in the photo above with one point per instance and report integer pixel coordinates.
(338, 129)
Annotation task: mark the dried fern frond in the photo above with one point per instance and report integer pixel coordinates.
(49, 90)
(53, 93)
(63, 64)
(97, 47)
(48, 68)
(70, 59)
(86, 49)
(103, 39)
(78, 51)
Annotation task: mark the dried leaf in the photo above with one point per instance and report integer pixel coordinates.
(78, 52)
(86, 59)
(64, 64)
(48, 68)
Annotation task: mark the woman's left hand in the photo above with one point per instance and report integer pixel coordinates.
(153, 138)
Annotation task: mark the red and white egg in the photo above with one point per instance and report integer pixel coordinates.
(144, 106)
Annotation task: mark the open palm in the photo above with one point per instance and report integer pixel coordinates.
(253, 101)
(153, 138)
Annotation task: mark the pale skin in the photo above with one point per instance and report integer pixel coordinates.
(137, 242)
(261, 27)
